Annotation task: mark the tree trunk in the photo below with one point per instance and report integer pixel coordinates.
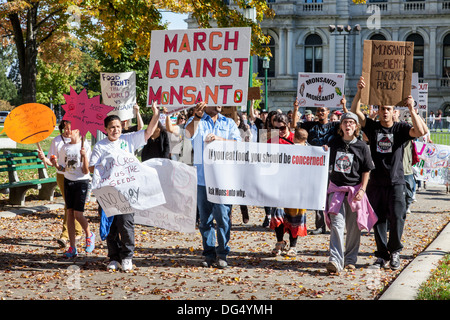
(27, 50)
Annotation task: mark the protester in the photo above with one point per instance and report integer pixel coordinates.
(75, 156)
(319, 133)
(55, 148)
(120, 239)
(438, 123)
(347, 204)
(431, 120)
(246, 136)
(157, 145)
(386, 187)
(176, 136)
(289, 220)
(209, 125)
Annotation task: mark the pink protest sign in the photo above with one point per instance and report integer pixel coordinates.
(86, 114)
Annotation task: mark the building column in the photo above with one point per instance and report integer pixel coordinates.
(431, 59)
(289, 48)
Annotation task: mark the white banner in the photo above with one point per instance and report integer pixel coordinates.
(434, 162)
(320, 89)
(179, 184)
(119, 91)
(189, 66)
(260, 174)
(419, 92)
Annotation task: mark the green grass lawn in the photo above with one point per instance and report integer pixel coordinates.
(437, 287)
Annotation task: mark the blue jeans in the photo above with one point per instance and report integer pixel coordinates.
(208, 212)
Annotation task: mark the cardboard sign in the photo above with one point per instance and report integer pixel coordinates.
(320, 89)
(29, 123)
(259, 174)
(190, 66)
(84, 113)
(387, 70)
(119, 91)
(254, 93)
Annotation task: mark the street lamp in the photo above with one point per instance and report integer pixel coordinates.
(265, 65)
(344, 30)
(250, 13)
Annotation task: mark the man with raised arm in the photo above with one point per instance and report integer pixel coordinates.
(386, 188)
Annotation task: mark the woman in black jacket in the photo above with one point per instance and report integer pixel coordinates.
(157, 145)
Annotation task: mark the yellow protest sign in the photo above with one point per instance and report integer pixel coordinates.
(29, 123)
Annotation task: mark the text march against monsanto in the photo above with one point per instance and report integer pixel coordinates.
(190, 66)
(266, 174)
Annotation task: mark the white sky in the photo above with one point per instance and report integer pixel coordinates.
(176, 20)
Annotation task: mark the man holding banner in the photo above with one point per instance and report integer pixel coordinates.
(206, 126)
(386, 187)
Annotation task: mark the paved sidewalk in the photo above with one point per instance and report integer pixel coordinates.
(167, 264)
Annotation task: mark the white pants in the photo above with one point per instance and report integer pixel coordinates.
(345, 219)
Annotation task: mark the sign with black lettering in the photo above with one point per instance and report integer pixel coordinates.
(387, 68)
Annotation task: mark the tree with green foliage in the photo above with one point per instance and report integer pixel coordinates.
(32, 26)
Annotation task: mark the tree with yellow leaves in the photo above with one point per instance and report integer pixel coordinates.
(33, 25)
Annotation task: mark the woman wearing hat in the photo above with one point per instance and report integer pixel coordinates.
(348, 206)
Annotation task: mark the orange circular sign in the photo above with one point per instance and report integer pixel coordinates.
(30, 123)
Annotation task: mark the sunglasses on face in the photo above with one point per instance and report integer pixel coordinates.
(281, 128)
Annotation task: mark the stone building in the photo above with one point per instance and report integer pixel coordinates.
(302, 42)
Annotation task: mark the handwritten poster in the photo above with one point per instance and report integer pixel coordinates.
(121, 184)
(320, 89)
(119, 91)
(86, 114)
(189, 66)
(179, 184)
(434, 164)
(266, 174)
(29, 123)
(387, 68)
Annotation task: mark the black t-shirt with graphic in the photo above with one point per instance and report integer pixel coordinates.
(348, 161)
(386, 147)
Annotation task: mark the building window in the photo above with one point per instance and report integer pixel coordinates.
(271, 71)
(313, 53)
(446, 65)
(377, 36)
(313, 1)
(418, 53)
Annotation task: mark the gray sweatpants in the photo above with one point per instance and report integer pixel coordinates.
(340, 253)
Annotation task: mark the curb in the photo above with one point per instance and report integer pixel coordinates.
(24, 210)
(406, 285)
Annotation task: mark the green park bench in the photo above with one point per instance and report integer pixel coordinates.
(12, 162)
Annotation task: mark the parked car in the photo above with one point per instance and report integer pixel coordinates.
(3, 115)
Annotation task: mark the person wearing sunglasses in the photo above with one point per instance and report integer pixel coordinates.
(281, 124)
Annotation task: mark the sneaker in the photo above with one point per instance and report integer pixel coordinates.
(127, 265)
(208, 262)
(222, 264)
(332, 267)
(113, 265)
(395, 261)
(62, 242)
(292, 252)
(279, 247)
(90, 243)
(379, 263)
(71, 253)
(350, 267)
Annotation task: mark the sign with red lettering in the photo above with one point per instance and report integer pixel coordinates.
(189, 66)
(387, 70)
